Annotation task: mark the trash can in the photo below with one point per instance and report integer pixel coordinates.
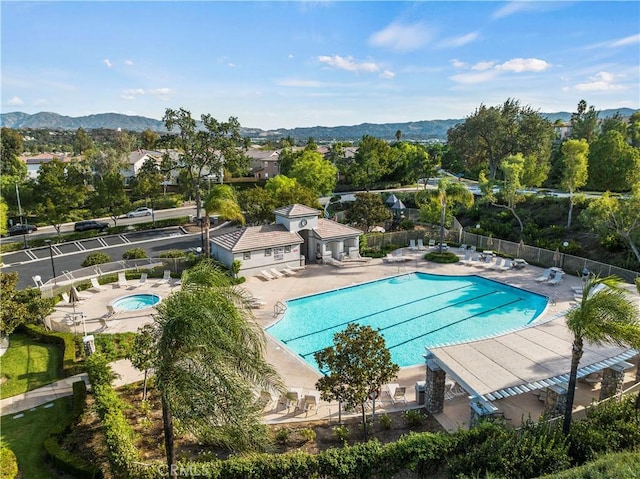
(421, 387)
(89, 345)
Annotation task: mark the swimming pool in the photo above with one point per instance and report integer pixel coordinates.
(134, 302)
(412, 311)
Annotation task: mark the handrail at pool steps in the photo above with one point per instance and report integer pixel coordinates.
(279, 308)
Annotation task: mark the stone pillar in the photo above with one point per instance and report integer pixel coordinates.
(481, 410)
(555, 401)
(434, 388)
(612, 379)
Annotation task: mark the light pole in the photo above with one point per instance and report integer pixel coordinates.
(201, 220)
(477, 235)
(53, 267)
(24, 231)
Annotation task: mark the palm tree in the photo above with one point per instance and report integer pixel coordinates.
(605, 315)
(222, 200)
(209, 363)
(446, 192)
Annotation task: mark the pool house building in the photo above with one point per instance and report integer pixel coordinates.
(298, 236)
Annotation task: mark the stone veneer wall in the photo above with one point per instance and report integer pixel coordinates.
(612, 380)
(434, 388)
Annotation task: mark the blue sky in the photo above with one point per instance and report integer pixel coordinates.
(287, 64)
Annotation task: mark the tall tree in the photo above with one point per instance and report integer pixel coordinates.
(207, 152)
(446, 193)
(109, 197)
(604, 315)
(11, 147)
(142, 353)
(223, 201)
(633, 130)
(609, 214)
(81, 142)
(3, 216)
(287, 191)
(491, 134)
(315, 173)
(20, 305)
(367, 211)
(149, 139)
(358, 365)
(575, 169)
(286, 160)
(61, 189)
(257, 205)
(370, 163)
(209, 363)
(148, 181)
(584, 122)
(614, 165)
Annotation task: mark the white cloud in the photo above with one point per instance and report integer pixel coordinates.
(401, 37)
(601, 81)
(630, 40)
(107, 62)
(299, 83)
(481, 66)
(510, 8)
(387, 74)
(129, 63)
(290, 55)
(15, 101)
(348, 64)
(161, 93)
(459, 41)
(133, 93)
(519, 65)
(457, 63)
(472, 78)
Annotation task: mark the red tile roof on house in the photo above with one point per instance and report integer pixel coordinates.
(328, 229)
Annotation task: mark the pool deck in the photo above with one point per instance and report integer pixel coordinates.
(300, 377)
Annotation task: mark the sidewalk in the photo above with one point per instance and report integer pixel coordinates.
(64, 387)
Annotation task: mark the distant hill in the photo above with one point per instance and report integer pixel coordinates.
(411, 131)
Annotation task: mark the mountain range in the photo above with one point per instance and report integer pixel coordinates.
(434, 130)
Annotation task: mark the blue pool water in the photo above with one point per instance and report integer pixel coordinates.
(412, 311)
(134, 302)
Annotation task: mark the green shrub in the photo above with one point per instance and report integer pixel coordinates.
(444, 257)
(414, 417)
(96, 258)
(8, 463)
(308, 434)
(134, 253)
(282, 435)
(172, 253)
(385, 421)
(341, 433)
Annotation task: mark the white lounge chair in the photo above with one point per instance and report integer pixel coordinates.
(556, 280)
(412, 245)
(397, 393)
(432, 243)
(289, 271)
(463, 247)
(166, 277)
(467, 258)
(95, 285)
(421, 246)
(546, 274)
(498, 264)
(507, 265)
(276, 273)
(122, 280)
(266, 275)
(143, 280)
(309, 403)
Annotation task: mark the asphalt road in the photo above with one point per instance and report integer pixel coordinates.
(69, 256)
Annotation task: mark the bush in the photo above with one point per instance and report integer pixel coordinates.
(308, 434)
(172, 253)
(282, 436)
(341, 433)
(96, 258)
(385, 421)
(444, 257)
(414, 417)
(134, 253)
(8, 463)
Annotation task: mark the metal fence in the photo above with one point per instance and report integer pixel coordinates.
(152, 266)
(532, 254)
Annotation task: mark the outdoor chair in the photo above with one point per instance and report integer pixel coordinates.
(276, 273)
(546, 274)
(122, 280)
(412, 245)
(266, 275)
(95, 285)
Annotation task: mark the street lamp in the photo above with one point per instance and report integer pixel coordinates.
(477, 235)
(53, 267)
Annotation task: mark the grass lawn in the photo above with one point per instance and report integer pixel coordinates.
(25, 435)
(27, 365)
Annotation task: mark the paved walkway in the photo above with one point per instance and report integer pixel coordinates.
(64, 387)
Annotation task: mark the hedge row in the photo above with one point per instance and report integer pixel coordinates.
(489, 449)
(61, 458)
(70, 364)
(119, 435)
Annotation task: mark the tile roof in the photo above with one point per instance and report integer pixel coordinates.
(257, 237)
(328, 229)
(295, 210)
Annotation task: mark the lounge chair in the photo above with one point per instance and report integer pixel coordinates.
(122, 280)
(289, 271)
(432, 243)
(546, 274)
(556, 280)
(463, 247)
(143, 280)
(467, 258)
(95, 285)
(266, 275)
(265, 401)
(472, 249)
(421, 246)
(166, 277)
(309, 403)
(507, 265)
(395, 258)
(412, 245)
(397, 393)
(276, 273)
(498, 264)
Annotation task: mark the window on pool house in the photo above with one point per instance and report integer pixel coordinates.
(267, 252)
(246, 255)
(287, 249)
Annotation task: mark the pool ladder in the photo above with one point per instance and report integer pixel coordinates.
(279, 308)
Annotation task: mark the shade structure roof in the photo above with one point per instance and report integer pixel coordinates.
(524, 360)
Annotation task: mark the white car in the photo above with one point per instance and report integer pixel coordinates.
(142, 211)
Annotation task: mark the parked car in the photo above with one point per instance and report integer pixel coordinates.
(142, 211)
(90, 225)
(21, 229)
